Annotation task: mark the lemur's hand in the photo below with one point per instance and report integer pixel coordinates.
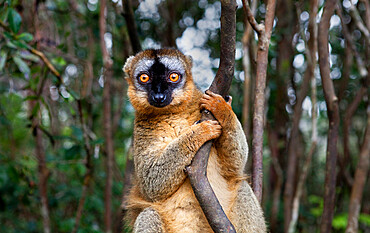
(217, 105)
(208, 130)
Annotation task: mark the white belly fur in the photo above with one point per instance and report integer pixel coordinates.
(218, 182)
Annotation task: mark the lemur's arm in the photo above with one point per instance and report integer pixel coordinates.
(160, 169)
(231, 146)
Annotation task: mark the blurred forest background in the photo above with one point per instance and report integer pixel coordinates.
(66, 122)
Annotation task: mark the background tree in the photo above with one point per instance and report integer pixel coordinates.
(53, 146)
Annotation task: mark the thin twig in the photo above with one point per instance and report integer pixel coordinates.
(347, 35)
(359, 23)
(259, 28)
(37, 53)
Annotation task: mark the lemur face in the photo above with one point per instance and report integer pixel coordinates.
(158, 75)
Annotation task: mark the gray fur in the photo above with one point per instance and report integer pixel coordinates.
(166, 171)
(247, 212)
(142, 65)
(148, 221)
(173, 63)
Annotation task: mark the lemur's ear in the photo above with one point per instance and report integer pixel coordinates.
(127, 67)
(189, 60)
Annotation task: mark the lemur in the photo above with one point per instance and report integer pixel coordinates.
(166, 137)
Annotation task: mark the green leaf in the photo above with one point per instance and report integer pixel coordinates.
(29, 56)
(3, 56)
(22, 66)
(11, 45)
(365, 219)
(20, 44)
(14, 20)
(31, 97)
(8, 35)
(35, 109)
(340, 221)
(25, 36)
(4, 14)
(59, 61)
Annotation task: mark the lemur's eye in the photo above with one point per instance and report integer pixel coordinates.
(174, 77)
(144, 78)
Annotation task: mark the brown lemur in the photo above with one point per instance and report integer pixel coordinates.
(167, 134)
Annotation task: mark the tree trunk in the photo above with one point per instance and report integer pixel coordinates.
(359, 181)
(259, 103)
(333, 115)
(109, 149)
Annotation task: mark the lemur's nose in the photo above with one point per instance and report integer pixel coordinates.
(159, 97)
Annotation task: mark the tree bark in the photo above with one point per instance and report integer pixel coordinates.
(89, 168)
(109, 149)
(311, 55)
(197, 171)
(359, 181)
(43, 172)
(277, 172)
(290, 191)
(247, 40)
(128, 14)
(333, 115)
(264, 35)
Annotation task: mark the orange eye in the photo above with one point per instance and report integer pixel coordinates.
(144, 78)
(174, 77)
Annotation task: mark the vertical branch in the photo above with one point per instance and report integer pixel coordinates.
(89, 168)
(264, 34)
(312, 48)
(360, 180)
(128, 14)
(333, 115)
(197, 171)
(278, 172)
(290, 193)
(107, 73)
(247, 38)
(350, 111)
(43, 172)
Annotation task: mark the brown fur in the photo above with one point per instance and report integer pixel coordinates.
(165, 141)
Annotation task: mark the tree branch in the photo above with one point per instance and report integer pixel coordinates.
(89, 168)
(109, 148)
(37, 53)
(360, 180)
(128, 14)
(259, 28)
(333, 115)
(247, 67)
(264, 34)
(289, 197)
(347, 35)
(359, 23)
(197, 171)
